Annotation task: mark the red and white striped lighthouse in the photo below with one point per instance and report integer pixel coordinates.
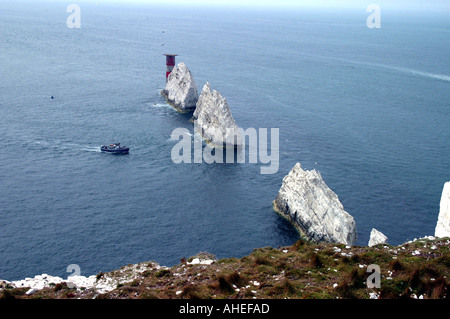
(170, 63)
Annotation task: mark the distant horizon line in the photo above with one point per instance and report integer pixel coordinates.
(272, 4)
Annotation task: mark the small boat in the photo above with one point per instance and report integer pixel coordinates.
(115, 148)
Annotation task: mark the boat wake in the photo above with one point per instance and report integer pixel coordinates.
(76, 146)
(60, 146)
(441, 77)
(95, 149)
(430, 75)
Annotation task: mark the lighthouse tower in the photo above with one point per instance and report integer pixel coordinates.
(170, 63)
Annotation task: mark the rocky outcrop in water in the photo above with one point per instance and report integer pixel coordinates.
(313, 208)
(181, 89)
(377, 237)
(214, 121)
(443, 223)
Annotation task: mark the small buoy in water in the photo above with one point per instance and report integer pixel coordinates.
(53, 97)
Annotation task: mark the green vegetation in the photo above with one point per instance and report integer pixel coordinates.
(420, 269)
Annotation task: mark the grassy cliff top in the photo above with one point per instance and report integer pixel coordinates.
(418, 269)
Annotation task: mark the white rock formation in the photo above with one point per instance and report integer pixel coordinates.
(202, 258)
(313, 208)
(377, 237)
(106, 283)
(181, 89)
(214, 121)
(443, 223)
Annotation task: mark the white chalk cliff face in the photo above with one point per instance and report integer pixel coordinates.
(214, 121)
(313, 208)
(377, 237)
(443, 223)
(181, 89)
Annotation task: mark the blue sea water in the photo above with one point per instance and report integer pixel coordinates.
(367, 108)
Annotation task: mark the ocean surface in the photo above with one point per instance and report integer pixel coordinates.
(368, 108)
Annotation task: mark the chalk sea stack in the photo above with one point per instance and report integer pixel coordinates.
(377, 237)
(443, 223)
(313, 208)
(181, 89)
(214, 121)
